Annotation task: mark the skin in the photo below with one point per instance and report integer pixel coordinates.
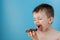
(44, 32)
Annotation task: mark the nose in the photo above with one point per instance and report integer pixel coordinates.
(36, 20)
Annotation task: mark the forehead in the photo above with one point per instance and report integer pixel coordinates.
(39, 14)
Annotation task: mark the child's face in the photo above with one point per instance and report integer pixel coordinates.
(41, 20)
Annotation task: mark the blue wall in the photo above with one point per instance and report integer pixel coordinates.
(16, 16)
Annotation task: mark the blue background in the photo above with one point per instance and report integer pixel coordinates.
(16, 16)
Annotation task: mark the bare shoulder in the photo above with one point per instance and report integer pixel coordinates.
(58, 34)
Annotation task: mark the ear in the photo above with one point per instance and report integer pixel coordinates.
(50, 20)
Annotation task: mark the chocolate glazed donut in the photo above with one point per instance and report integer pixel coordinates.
(31, 30)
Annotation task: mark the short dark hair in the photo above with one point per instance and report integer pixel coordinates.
(46, 7)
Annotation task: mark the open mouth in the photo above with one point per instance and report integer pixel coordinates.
(40, 27)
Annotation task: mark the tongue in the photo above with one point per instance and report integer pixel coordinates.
(40, 27)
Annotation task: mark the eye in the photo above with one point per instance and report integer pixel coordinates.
(40, 18)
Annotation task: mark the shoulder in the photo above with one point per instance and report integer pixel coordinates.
(59, 35)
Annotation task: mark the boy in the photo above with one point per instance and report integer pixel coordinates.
(43, 18)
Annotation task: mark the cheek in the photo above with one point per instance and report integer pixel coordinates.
(45, 23)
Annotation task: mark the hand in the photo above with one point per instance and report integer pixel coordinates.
(32, 33)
